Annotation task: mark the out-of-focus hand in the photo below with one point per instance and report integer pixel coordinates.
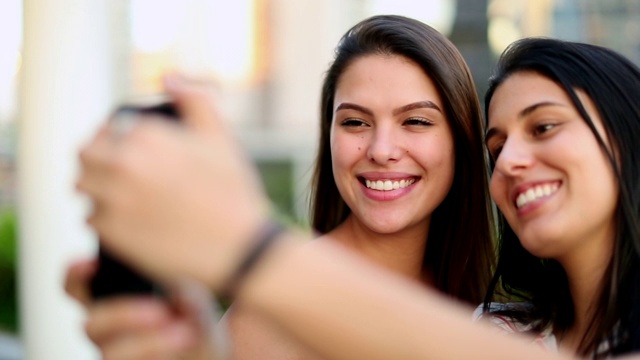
(76, 282)
(174, 201)
(184, 325)
(139, 327)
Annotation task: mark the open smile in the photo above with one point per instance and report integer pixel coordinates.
(535, 193)
(387, 184)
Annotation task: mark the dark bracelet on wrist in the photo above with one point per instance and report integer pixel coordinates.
(264, 239)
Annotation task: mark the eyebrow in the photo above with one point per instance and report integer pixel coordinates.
(346, 106)
(529, 109)
(521, 115)
(416, 105)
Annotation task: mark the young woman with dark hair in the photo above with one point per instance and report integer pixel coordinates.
(564, 126)
(449, 244)
(399, 170)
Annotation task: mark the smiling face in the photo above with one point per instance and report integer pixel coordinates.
(391, 144)
(552, 181)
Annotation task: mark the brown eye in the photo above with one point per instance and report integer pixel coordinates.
(418, 122)
(353, 123)
(542, 128)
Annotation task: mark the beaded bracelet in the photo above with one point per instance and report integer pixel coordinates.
(265, 238)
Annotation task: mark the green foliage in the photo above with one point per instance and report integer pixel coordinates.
(8, 236)
(8, 262)
(277, 179)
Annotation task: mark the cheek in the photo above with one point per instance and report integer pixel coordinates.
(448, 170)
(339, 167)
(444, 163)
(497, 191)
(345, 151)
(440, 155)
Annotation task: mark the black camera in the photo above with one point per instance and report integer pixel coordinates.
(112, 276)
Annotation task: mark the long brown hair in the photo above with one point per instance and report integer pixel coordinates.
(459, 251)
(611, 81)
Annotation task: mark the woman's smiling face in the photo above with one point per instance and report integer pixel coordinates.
(552, 181)
(391, 144)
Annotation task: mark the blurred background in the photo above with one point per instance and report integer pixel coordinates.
(64, 64)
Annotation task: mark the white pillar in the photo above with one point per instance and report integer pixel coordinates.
(66, 89)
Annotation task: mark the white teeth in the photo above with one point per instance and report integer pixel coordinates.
(535, 193)
(530, 195)
(539, 192)
(386, 185)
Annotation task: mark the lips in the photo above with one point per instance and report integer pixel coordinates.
(387, 185)
(530, 194)
(387, 181)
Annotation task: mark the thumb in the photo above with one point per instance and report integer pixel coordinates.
(196, 103)
(77, 278)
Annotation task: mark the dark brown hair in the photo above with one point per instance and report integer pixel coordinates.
(611, 81)
(459, 251)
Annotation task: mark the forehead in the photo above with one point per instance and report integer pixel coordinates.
(522, 90)
(387, 77)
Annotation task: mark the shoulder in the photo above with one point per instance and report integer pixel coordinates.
(255, 337)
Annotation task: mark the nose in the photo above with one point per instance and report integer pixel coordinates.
(515, 157)
(385, 146)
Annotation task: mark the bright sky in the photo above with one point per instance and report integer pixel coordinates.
(197, 34)
(437, 13)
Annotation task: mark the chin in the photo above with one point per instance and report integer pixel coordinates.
(386, 228)
(543, 238)
(540, 246)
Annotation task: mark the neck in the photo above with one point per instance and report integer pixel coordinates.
(401, 252)
(585, 271)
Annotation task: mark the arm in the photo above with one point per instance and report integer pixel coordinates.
(158, 183)
(349, 307)
(255, 337)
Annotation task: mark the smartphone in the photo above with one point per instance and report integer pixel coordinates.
(113, 277)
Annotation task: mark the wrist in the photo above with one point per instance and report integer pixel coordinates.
(259, 247)
(265, 283)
